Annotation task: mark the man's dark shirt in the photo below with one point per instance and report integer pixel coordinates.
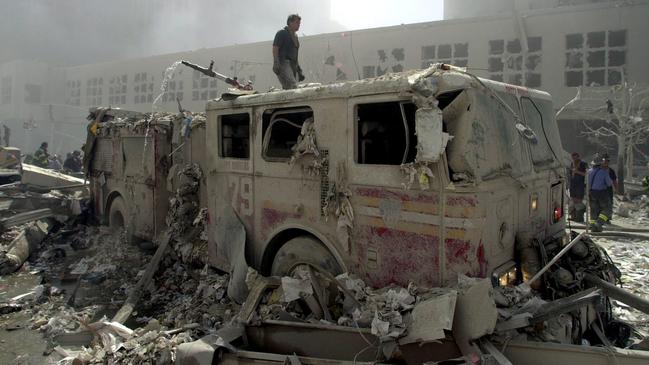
(73, 164)
(288, 47)
(578, 182)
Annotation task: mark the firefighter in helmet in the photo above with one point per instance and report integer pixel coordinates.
(599, 181)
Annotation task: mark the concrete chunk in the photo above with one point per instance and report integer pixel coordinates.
(45, 178)
(22, 246)
(430, 318)
(475, 312)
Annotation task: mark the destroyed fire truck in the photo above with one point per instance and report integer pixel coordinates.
(420, 177)
(411, 177)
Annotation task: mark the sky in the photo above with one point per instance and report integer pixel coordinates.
(361, 14)
(73, 32)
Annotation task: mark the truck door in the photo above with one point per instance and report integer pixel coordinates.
(396, 230)
(286, 195)
(139, 171)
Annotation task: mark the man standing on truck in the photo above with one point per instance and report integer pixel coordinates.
(285, 54)
(577, 187)
(600, 207)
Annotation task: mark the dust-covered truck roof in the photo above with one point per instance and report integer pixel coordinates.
(438, 78)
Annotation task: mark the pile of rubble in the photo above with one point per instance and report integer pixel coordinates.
(632, 257)
(634, 212)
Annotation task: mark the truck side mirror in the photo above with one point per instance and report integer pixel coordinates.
(431, 140)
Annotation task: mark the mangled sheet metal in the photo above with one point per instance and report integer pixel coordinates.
(431, 138)
(430, 318)
(306, 152)
(27, 242)
(231, 238)
(338, 204)
(429, 128)
(417, 171)
(476, 313)
(46, 178)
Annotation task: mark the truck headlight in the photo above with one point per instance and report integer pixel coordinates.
(506, 274)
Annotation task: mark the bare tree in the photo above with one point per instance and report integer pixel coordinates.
(617, 112)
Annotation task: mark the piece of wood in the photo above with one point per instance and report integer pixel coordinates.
(25, 217)
(135, 294)
(254, 296)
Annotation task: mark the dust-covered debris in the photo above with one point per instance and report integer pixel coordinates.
(338, 204)
(632, 258)
(306, 152)
(185, 220)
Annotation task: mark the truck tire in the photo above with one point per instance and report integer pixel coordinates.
(118, 218)
(301, 250)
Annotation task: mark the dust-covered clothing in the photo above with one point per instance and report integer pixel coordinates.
(286, 65)
(287, 75)
(41, 158)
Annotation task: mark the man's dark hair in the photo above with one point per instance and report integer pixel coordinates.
(293, 17)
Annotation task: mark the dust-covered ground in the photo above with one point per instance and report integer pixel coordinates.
(81, 276)
(631, 255)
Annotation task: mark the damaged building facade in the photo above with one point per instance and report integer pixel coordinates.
(550, 45)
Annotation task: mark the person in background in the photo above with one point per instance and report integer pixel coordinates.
(600, 208)
(41, 156)
(73, 162)
(611, 172)
(55, 163)
(577, 187)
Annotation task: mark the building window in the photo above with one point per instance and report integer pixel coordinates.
(203, 86)
(369, 71)
(174, 91)
(383, 136)
(455, 54)
(94, 91)
(595, 58)
(6, 90)
(235, 135)
(73, 92)
(117, 90)
(143, 88)
(387, 61)
(33, 93)
(510, 63)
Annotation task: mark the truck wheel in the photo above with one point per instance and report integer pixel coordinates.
(118, 218)
(301, 250)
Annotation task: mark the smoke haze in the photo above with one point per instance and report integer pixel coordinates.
(72, 32)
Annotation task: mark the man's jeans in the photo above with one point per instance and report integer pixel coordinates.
(287, 77)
